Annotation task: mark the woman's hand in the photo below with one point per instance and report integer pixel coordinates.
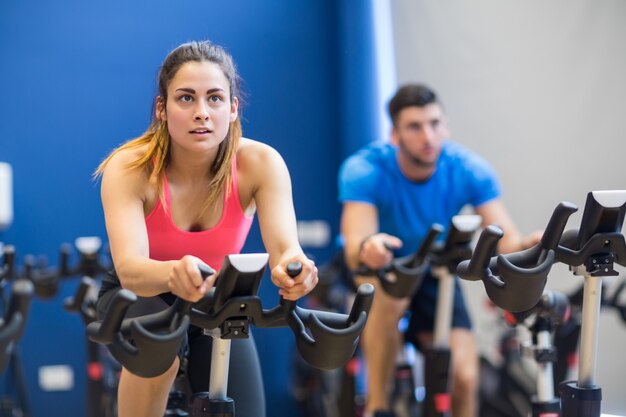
(186, 281)
(299, 286)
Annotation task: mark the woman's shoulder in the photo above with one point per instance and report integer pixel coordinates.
(257, 164)
(121, 167)
(127, 155)
(255, 155)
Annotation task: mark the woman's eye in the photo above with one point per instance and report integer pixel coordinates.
(186, 98)
(215, 99)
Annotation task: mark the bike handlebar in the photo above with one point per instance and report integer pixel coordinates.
(515, 282)
(84, 300)
(409, 270)
(14, 319)
(325, 340)
(47, 280)
(8, 263)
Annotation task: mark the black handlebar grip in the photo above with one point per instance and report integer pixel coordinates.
(183, 307)
(389, 246)
(105, 332)
(205, 270)
(64, 260)
(434, 231)
(9, 261)
(556, 225)
(293, 270)
(21, 296)
(362, 302)
(74, 303)
(476, 268)
(29, 266)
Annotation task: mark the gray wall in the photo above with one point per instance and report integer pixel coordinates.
(539, 89)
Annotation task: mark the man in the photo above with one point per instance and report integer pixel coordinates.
(391, 194)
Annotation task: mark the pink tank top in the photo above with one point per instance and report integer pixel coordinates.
(168, 242)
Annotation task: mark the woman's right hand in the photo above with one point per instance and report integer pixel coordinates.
(375, 252)
(185, 280)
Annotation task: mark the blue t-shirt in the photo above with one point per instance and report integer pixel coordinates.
(407, 209)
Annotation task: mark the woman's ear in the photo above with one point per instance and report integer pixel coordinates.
(234, 109)
(159, 110)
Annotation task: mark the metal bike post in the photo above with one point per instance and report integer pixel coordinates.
(445, 299)
(216, 403)
(544, 404)
(589, 331)
(583, 398)
(545, 378)
(220, 360)
(437, 359)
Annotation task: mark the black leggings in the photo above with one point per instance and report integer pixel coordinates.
(245, 383)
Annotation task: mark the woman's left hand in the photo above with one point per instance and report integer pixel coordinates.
(299, 286)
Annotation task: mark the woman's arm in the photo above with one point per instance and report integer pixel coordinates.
(271, 190)
(123, 193)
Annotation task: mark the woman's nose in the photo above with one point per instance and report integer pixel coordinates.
(202, 112)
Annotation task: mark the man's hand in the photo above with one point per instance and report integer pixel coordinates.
(376, 250)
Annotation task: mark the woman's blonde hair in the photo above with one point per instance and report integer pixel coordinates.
(157, 137)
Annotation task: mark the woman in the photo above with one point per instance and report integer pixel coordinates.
(185, 193)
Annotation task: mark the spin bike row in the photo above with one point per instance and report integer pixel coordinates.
(36, 279)
(15, 314)
(516, 282)
(147, 345)
(43, 282)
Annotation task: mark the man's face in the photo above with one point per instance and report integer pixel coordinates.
(419, 133)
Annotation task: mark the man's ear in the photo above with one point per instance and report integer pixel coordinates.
(234, 109)
(394, 136)
(159, 110)
(445, 126)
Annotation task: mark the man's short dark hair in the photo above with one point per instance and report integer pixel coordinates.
(410, 95)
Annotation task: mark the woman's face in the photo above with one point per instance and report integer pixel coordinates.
(198, 109)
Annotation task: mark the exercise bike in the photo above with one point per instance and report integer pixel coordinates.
(441, 258)
(147, 345)
(515, 282)
(12, 325)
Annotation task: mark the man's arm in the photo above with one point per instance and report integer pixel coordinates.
(362, 242)
(494, 212)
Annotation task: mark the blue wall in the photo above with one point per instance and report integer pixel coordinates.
(78, 78)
